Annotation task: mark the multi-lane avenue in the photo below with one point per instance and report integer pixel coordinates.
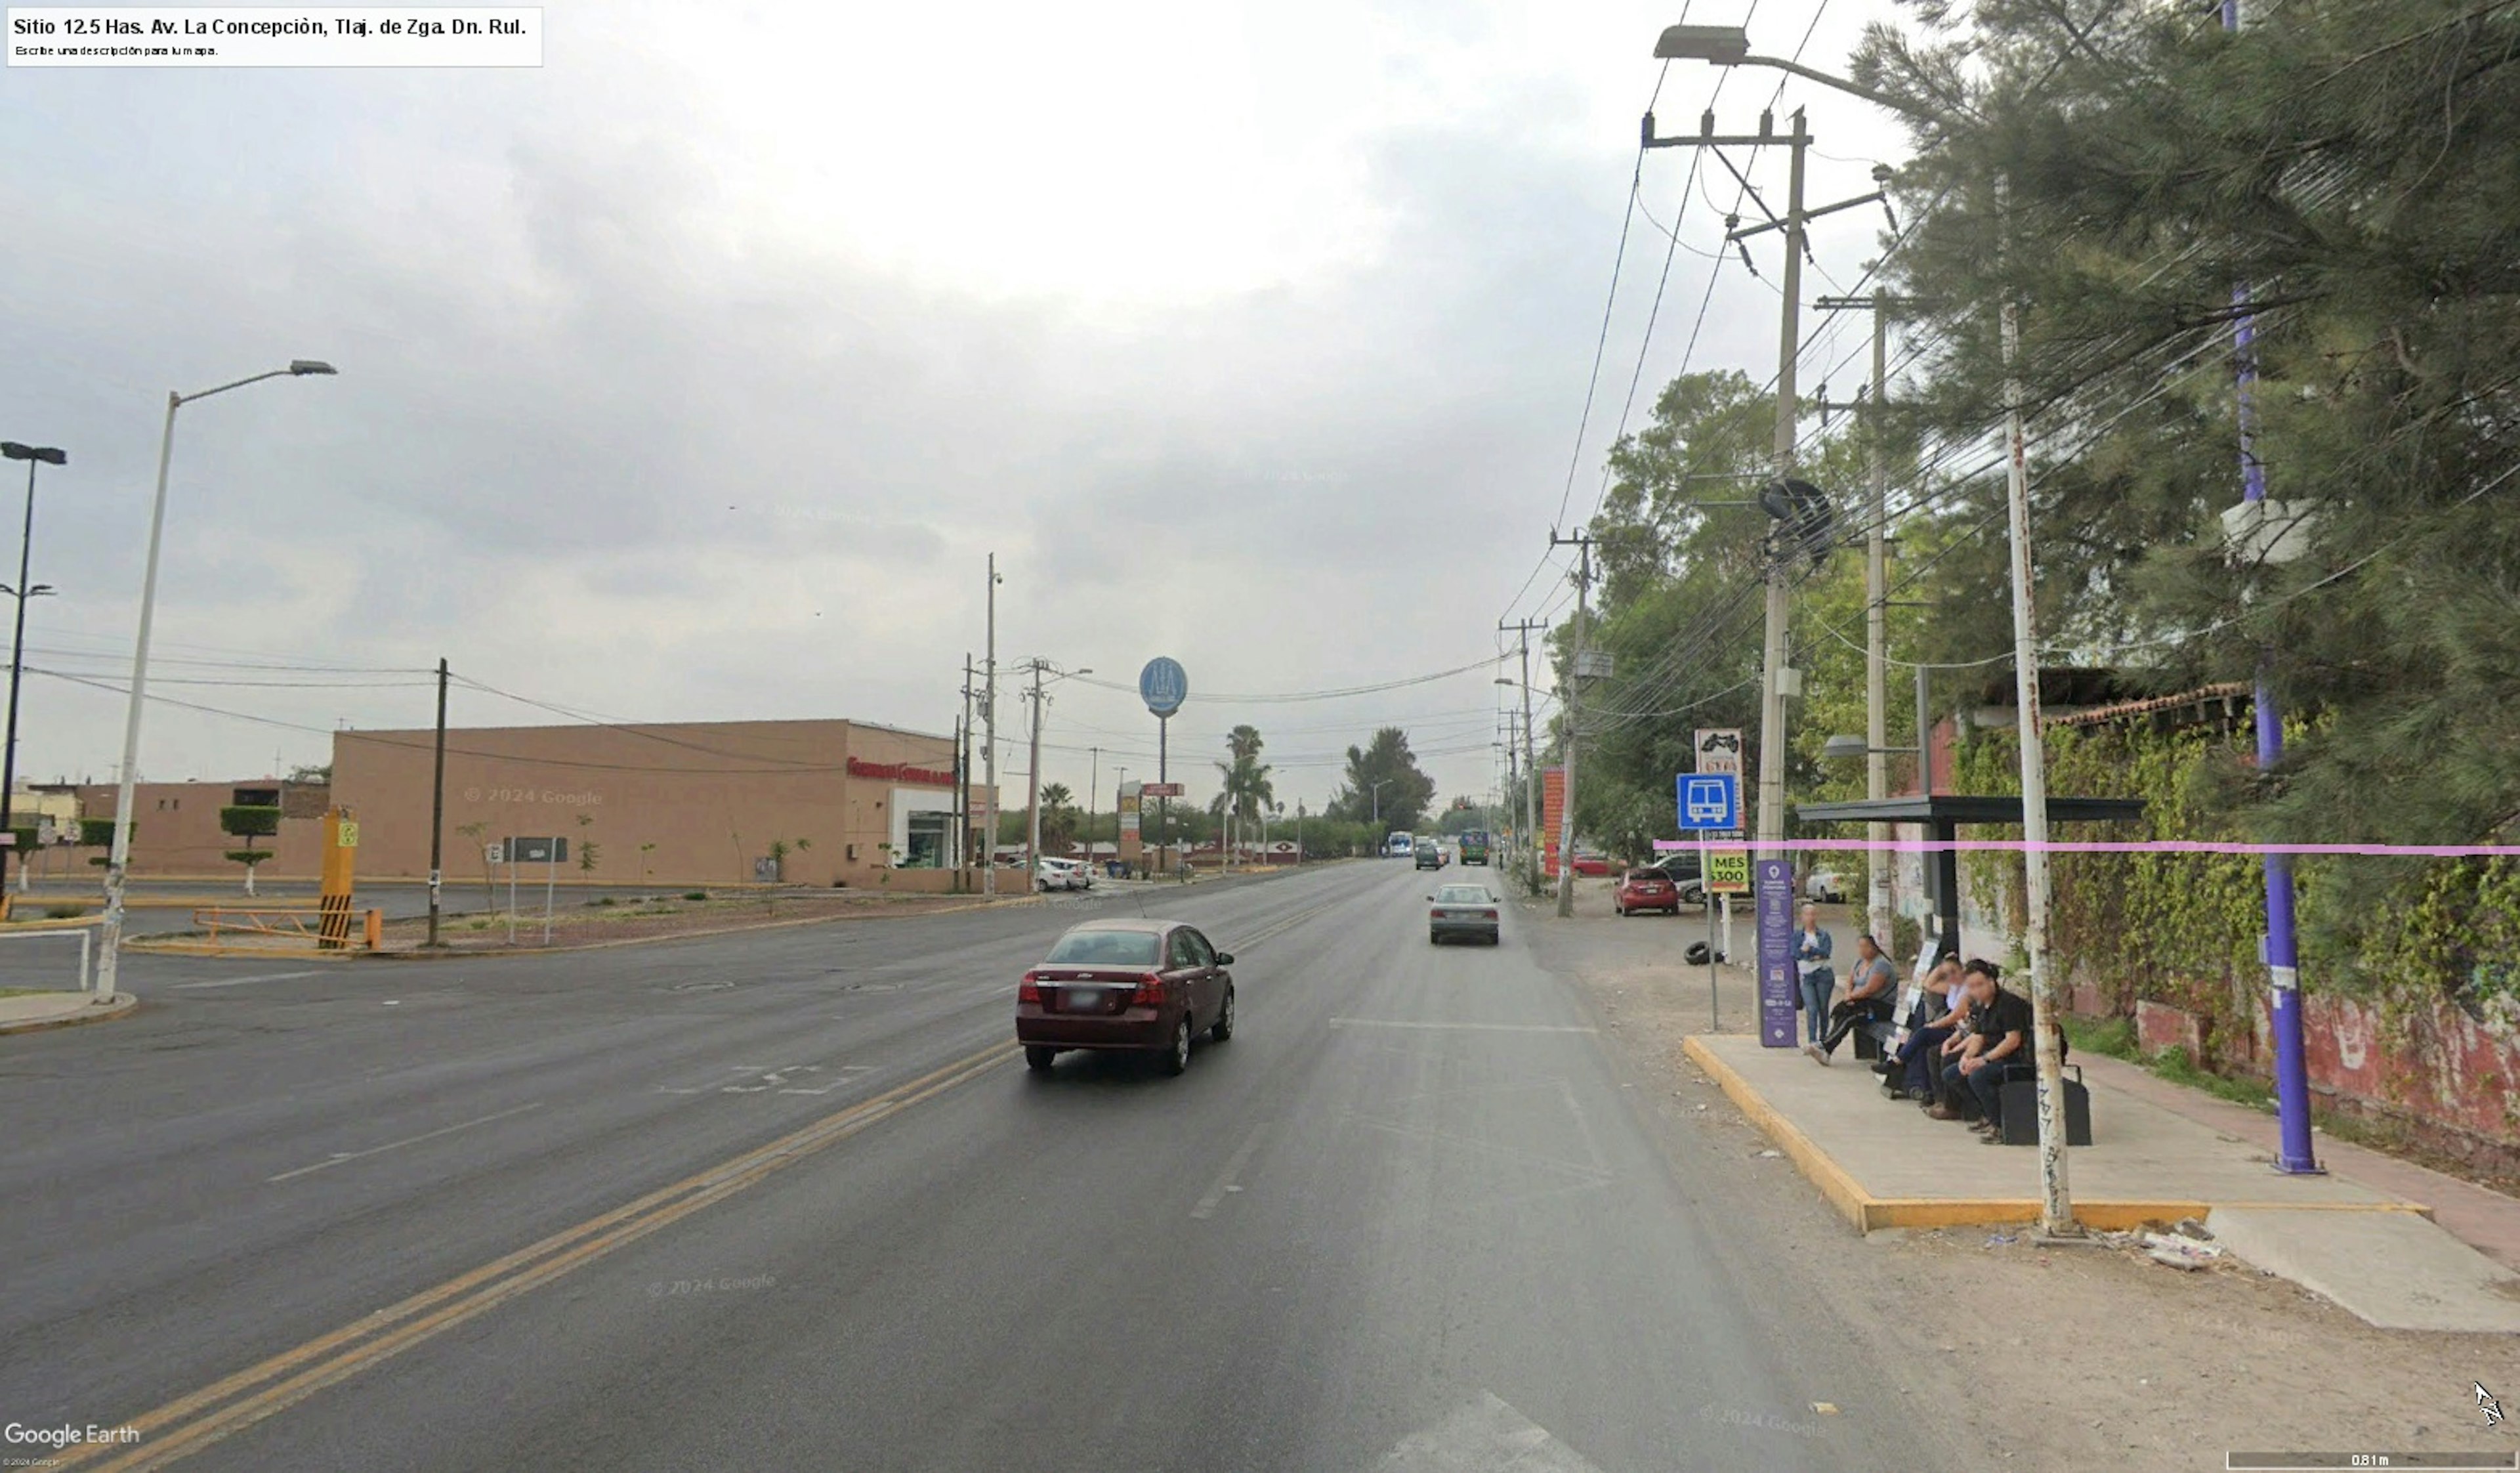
(789, 1200)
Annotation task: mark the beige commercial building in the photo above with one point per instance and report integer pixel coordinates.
(175, 831)
(701, 802)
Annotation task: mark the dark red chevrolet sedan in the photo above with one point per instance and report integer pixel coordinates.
(1144, 985)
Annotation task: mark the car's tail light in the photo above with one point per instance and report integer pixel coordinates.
(1150, 992)
(1487, 915)
(1029, 990)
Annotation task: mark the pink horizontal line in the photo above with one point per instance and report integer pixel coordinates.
(2137, 847)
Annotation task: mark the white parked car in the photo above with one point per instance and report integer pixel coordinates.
(1062, 874)
(1826, 886)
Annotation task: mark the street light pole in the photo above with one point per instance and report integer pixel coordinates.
(1032, 786)
(989, 747)
(2296, 1154)
(32, 455)
(118, 856)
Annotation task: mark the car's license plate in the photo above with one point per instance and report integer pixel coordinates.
(1083, 999)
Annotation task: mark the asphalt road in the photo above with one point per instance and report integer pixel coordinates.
(787, 1200)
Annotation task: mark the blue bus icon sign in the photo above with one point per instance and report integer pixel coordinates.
(1710, 800)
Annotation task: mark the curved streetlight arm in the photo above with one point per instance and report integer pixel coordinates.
(297, 369)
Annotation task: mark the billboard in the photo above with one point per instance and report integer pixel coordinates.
(1553, 806)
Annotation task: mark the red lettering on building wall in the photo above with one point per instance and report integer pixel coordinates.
(900, 772)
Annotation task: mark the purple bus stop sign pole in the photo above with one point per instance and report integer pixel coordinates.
(1776, 887)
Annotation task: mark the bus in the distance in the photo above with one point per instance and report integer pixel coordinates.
(1398, 845)
(1474, 846)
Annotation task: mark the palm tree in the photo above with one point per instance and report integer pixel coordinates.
(1057, 817)
(1247, 789)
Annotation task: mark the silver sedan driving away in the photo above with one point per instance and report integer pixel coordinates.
(1463, 910)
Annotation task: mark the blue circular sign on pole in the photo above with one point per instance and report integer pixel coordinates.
(1163, 685)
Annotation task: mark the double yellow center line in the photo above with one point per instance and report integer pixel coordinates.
(189, 1424)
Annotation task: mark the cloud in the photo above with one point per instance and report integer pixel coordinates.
(699, 380)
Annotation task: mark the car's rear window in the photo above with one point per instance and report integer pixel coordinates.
(1462, 894)
(1105, 948)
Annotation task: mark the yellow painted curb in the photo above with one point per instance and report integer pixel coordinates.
(1868, 1213)
(65, 923)
(1852, 1202)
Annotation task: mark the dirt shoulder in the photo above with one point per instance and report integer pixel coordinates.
(2071, 1357)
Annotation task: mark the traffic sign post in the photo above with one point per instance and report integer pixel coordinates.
(1709, 800)
(1718, 754)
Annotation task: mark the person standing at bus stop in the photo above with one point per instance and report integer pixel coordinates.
(1812, 949)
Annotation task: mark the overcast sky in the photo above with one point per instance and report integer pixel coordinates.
(696, 373)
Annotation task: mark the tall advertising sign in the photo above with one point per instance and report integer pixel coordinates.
(1552, 805)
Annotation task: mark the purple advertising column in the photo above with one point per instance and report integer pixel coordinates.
(1775, 885)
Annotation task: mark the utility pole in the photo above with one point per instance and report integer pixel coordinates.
(437, 809)
(1092, 790)
(1876, 604)
(2296, 1155)
(1776, 679)
(2055, 1191)
(1530, 769)
(1771, 704)
(962, 776)
(1574, 718)
(989, 747)
(1032, 779)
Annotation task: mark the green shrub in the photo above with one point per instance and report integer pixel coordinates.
(2176, 1066)
(695, 895)
(2112, 1036)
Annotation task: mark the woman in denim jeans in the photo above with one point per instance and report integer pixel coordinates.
(1812, 947)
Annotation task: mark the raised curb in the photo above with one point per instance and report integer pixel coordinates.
(1868, 1213)
(121, 1005)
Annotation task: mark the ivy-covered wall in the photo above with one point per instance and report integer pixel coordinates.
(2421, 959)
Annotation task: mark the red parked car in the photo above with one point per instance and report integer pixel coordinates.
(1589, 863)
(1645, 890)
(1144, 986)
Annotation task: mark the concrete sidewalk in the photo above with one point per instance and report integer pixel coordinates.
(34, 1011)
(2363, 1234)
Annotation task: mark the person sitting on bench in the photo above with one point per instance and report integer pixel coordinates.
(1869, 1000)
(1998, 1034)
(1909, 1071)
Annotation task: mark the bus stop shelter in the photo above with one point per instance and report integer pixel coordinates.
(1942, 814)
